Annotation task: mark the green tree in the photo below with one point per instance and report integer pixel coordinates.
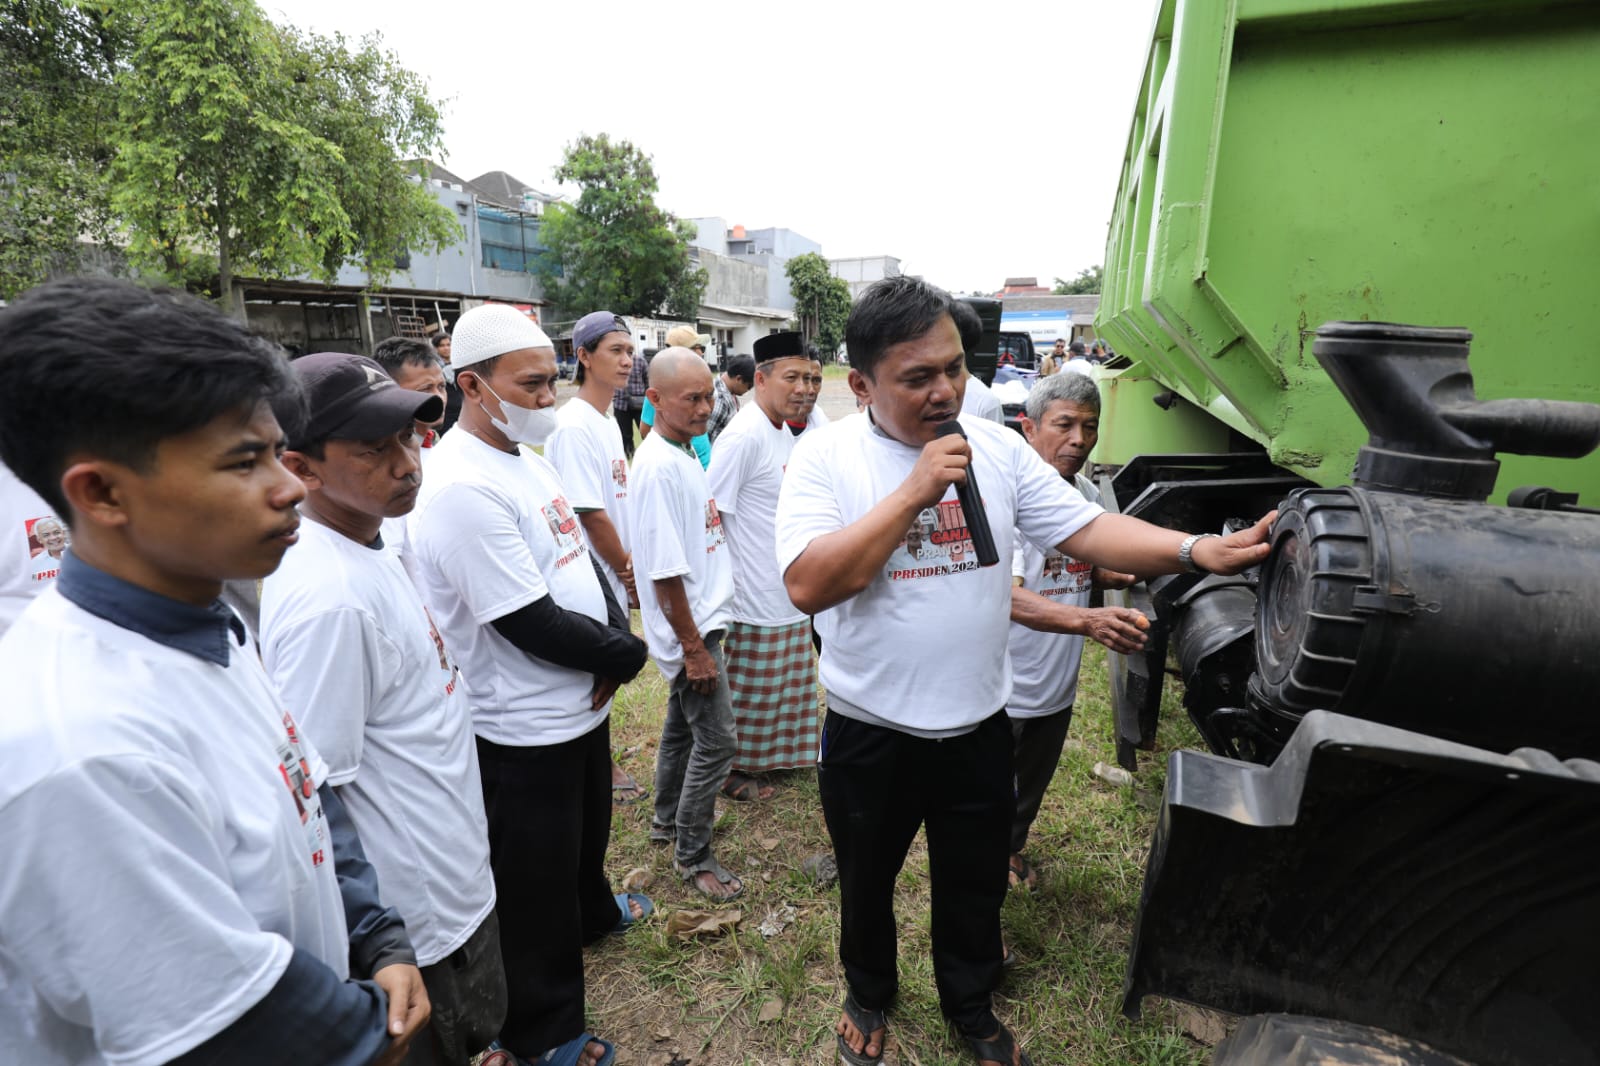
(613, 248)
(821, 301)
(245, 147)
(380, 117)
(1087, 282)
(57, 61)
(212, 153)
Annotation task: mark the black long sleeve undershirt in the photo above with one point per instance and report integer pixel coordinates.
(548, 631)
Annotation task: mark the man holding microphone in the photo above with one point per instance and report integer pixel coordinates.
(916, 733)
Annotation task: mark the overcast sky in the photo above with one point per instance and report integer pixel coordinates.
(974, 142)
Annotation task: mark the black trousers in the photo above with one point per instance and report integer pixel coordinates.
(1036, 745)
(549, 812)
(628, 423)
(878, 787)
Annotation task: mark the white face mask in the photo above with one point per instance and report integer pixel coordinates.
(523, 425)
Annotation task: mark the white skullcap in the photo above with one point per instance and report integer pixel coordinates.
(491, 330)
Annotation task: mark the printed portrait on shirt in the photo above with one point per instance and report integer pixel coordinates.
(619, 475)
(714, 535)
(48, 540)
(563, 523)
(937, 544)
(1064, 576)
(296, 771)
(438, 641)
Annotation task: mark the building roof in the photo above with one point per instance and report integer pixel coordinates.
(749, 312)
(1078, 305)
(498, 187)
(1020, 283)
(435, 171)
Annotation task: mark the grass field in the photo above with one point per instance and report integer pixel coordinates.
(741, 998)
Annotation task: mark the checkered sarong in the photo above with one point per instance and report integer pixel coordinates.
(772, 674)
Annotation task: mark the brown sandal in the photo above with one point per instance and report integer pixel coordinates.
(743, 788)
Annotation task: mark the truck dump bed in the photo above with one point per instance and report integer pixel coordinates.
(1292, 162)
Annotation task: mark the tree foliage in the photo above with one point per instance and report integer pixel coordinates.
(613, 248)
(209, 141)
(57, 62)
(821, 301)
(1087, 282)
(379, 115)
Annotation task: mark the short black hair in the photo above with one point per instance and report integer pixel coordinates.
(438, 339)
(968, 324)
(394, 354)
(890, 311)
(112, 369)
(742, 367)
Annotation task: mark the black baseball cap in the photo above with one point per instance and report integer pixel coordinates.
(351, 397)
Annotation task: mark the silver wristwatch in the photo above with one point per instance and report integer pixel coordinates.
(1186, 553)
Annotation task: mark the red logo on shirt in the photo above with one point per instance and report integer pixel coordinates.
(296, 773)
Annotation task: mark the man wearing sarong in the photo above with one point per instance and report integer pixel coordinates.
(771, 669)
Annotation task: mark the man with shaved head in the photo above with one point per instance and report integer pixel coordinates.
(684, 575)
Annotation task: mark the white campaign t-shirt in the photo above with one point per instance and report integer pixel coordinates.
(677, 532)
(357, 658)
(745, 474)
(979, 400)
(493, 532)
(924, 645)
(1044, 666)
(165, 847)
(26, 568)
(586, 450)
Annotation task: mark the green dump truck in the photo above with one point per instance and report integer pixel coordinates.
(1353, 261)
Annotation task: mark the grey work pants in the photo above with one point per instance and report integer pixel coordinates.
(467, 989)
(1036, 745)
(697, 749)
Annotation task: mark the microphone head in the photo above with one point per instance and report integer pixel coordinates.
(947, 428)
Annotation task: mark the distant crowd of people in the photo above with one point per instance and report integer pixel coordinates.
(1075, 357)
(308, 753)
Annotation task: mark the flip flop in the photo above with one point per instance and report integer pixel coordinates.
(690, 872)
(629, 785)
(627, 920)
(998, 1048)
(746, 789)
(866, 1022)
(571, 1052)
(1027, 877)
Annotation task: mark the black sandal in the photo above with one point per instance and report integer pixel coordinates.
(866, 1022)
(1027, 877)
(998, 1048)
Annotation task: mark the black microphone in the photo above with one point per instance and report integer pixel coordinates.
(972, 505)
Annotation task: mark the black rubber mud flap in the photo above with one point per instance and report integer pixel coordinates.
(1385, 878)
